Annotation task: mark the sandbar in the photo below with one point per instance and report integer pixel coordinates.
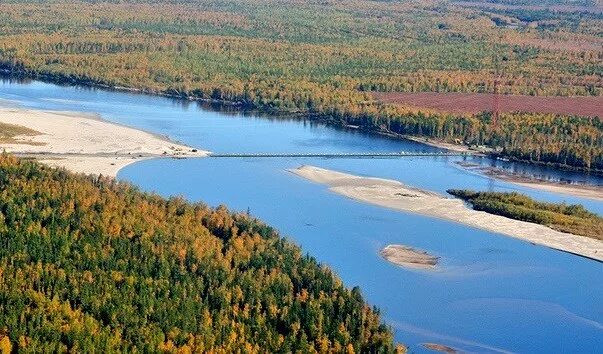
(395, 195)
(440, 348)
(408, 257)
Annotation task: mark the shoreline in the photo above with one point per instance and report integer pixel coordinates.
(394, 195)
(58, 79)
(443, 145)
(85, 143)
(577, 190)
(568, 189)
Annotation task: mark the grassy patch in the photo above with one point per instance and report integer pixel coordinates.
(8, 132)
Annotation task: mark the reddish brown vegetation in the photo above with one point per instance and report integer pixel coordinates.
(477, 102)
(556, 8)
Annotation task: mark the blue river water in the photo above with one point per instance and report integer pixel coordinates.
(491, 293)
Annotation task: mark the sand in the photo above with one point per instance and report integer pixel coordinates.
(578, 190)
(440, 348)
(408, 257)
(444, 145)
(395, 195)
(84, 143)
(589, 192)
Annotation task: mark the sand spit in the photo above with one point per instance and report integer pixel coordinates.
(408, 257)
(595, 193)
(395, 195)
(84, 143)
(578, 190)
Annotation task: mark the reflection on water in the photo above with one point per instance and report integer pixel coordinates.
(492, 294)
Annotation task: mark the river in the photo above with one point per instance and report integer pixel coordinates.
(491, 294)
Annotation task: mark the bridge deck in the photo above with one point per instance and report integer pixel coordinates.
(343, 155)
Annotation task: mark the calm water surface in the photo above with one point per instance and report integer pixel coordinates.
(492, 293)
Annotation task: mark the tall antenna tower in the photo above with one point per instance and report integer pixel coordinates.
(496, 103)
(497, 83)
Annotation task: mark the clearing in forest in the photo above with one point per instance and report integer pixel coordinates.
(477, 102)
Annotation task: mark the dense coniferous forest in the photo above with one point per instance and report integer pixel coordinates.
(571, 218)
(90, 264)
(323, 59)
(545, 138)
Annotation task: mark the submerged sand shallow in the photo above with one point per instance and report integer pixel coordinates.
(395, 195)
(84, 143)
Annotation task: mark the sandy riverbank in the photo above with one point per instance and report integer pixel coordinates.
(578, 190)
(84, 143)
(584, 191)
(395, 195)
(590, 192)
(444, 145)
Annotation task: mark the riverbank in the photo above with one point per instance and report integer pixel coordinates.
(84, 143)
(577, 190)
(239, 103)
(395, 195)
(448, 146)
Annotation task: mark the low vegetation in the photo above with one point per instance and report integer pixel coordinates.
(88, 264)
(8, 132)
(574, 219)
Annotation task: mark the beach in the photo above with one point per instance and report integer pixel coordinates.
(444, 145)
(84, 143)
(395, 195)
(578, 190)
(583, 191)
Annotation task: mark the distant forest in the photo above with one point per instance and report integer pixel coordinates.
(542, 2)
(88, 264)
(324, 59)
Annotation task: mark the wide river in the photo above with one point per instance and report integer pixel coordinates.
(491, 294)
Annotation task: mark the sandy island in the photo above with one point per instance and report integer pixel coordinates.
(84, 143)
(440, 348)
(395, 195)
(408, 257)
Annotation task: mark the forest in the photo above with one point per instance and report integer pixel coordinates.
(324, 60)
(88, 264)
(572, 218)
(541, 2)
